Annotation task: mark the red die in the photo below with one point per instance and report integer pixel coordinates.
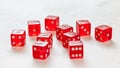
(75, 49)
(83, 27)
(34, 28)
(51, 23)
(47, 37)
(18, 37)
(41, 50)
(103, 33)
(69, 36)
(63, 29)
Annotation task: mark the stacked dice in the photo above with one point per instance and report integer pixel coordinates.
(41, 48)
(71, 40)
(65, 34)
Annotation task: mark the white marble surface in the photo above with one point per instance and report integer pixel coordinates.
(14, 14)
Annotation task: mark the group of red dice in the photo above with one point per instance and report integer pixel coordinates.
(64, 33)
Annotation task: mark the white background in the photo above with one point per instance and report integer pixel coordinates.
(14, 14)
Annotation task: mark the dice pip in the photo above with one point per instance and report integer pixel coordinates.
(18, 38)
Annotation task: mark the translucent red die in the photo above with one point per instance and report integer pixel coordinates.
(51, 22)
(69, 36)
(103, 33)
(83, 27)
(63, 29)
(47, 37)
(18, 38)
(34, 28)
(75, 49)
(41, 50)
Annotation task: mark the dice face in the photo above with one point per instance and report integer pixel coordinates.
(51, 23)
(61, 30)
(69, 36)
(34, 28)
(103, 33)
(40, 50)
(83, 27)
(47, 37)
(75, 49)
(18, 38)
